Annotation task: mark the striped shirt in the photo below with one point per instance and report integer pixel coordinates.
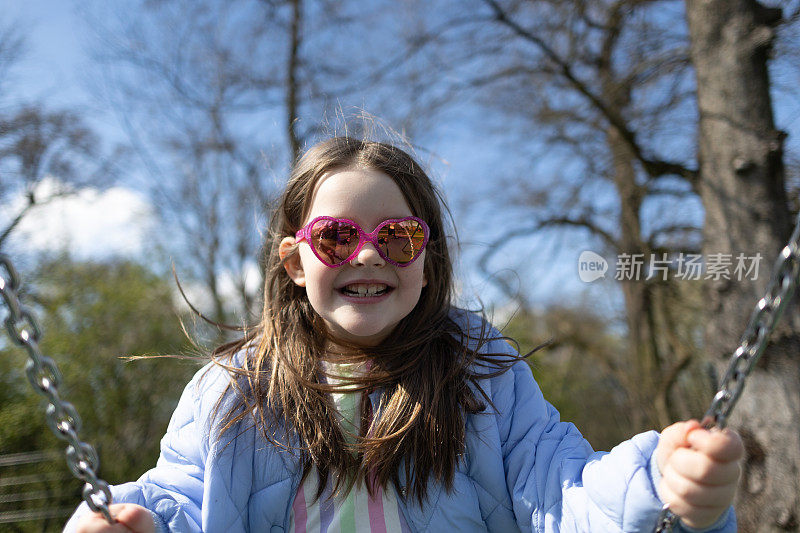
(357, 512)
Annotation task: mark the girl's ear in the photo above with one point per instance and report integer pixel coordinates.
(292, 264)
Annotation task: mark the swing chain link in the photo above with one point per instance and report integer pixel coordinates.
(762, 322)
(43, 374)
(765, 315)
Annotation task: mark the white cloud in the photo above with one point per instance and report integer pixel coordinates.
(88, 223)
(92, 224)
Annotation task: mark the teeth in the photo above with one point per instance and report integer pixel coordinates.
(365, 289)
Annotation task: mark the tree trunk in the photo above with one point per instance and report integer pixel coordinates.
(746, 209)
(635, 291)
(642, 351)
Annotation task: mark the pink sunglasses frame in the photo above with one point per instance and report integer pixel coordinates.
(363, 238)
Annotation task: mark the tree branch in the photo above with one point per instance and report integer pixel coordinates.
(654, 167)
(14, 223)
(550, 222)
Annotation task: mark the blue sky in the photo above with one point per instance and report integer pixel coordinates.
(56, 69)
(51, 67)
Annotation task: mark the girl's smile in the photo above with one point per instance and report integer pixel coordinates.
(366, 290)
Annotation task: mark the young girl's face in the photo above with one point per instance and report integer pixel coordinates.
(367, 197)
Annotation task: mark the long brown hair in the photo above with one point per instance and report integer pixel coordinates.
(423, 368)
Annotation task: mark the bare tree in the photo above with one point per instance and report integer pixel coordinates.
(193, 84)
(601, 92)
(606, 90)
(219, 98)
(37, 143)
(747, 211)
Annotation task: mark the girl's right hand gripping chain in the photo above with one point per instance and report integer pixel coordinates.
(130, 518)
(700, 471)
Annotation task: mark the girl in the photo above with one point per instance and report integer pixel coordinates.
(364, 401)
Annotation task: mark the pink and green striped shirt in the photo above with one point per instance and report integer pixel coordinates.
(357, 512)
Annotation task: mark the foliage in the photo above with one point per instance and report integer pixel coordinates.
(572, 370)
(94, 315)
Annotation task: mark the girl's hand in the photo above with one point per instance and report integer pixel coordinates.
(700, 471)
(130, 518)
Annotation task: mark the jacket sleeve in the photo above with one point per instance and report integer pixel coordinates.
(173, 490)
(555, 479)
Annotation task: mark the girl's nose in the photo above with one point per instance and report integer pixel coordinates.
(368, 256)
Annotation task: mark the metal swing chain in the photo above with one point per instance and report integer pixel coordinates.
(23, 329)
(767, 312)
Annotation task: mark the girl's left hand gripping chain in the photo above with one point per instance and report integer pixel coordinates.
(700, 471)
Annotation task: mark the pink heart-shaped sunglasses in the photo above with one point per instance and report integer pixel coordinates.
(336, 241)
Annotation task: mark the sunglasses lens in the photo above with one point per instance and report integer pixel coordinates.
(334, 241)
(402, 241)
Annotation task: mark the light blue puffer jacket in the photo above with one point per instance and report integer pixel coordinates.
(524, 470)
